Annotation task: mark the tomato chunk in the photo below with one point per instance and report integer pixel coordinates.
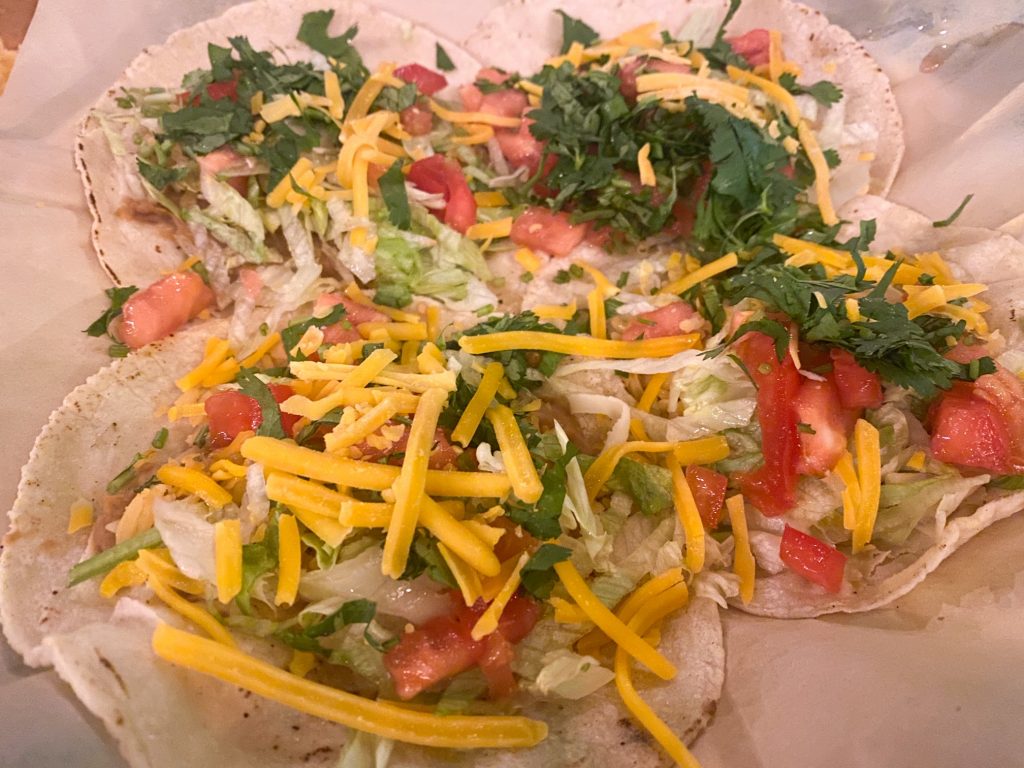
(355, 313)
(520, 148)
(813, 559)
(772, 488)
(658, 323)
(439, 175)
(427, 81)
(162, 308)
(231, 412)
(444, 646)
(858, 387)
(417, 120)
(752, 46)
(708, 489)
(549, 231)
(824, 433)
(969, 430)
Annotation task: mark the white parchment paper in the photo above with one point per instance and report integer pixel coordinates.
(935, 680)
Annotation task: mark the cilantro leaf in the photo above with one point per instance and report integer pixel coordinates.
(575, 31)
(541, 519)
(253, 386)
(955, 214)
(443, 60)
(291, 335)
(393, 192)
(538, 574)
(117, 296)
(823, 91)
(158, 176)
(425, 557)
(313, 32)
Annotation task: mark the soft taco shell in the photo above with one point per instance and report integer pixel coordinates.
(135, 239)
(522, 34)
(979, 255)
(104, 653)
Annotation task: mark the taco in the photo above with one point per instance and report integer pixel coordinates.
(211, 525)
(646, 145)
(867, 389)
(864, 126)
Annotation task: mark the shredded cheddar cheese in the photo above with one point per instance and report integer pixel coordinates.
(289, 555)
(743, 564)
(474, 412)
(378, 717)
(689, 516)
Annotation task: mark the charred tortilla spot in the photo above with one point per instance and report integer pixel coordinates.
(117, 675)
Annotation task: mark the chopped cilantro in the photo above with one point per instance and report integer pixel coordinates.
(823, 91)
(955, 214)
(158, 176)
(253, 386)
(575, 31)
(443, 60)
(117, 296)
(392, 191)
(538, 574)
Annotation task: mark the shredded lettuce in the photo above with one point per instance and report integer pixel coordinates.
(904, 505)
(571, 676)
(462, 691)
(231, 208)
(187, 534)
(365, 750)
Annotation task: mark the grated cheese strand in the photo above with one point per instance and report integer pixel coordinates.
(671, 600)
(471, 417)
(377, 717)
(289, 556)
(578, 345)
(194, 482)
(488, 622)
(287, 457)
(457, 536)
(627, 639)
(869, 475)
(519, 464)
(411, 483)
(689, 516)
(202, 619)
(698, 276)
(591, 643)
(743, 564)
(227, 547)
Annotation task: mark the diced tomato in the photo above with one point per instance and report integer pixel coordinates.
(510, 102)
(439, 175)
(520, 147)
(858, 387)
(162, 308)
(548, 231)
(355, 313)
(514, 542)
(752, 46)
(628, 72)
(824, 435)
(225, 90)
(224, 159)
(969, 430)
(229, 413)
(442, 453)
(813, 559)
(471, 97)
(772, 488)
(708, 488)
(417, 120)
(627, 79)
(426, 80)
(658, 323)
(215, 91)
(443, 647)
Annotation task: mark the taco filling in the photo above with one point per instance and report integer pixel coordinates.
(274, 175)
